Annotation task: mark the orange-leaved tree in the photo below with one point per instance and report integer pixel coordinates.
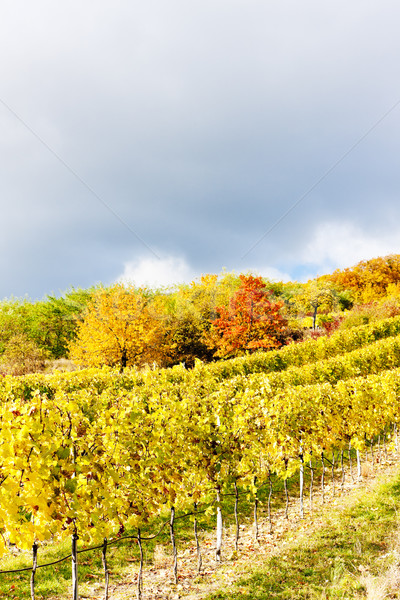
(120, 328)
(252, 321)
(369, 280)
(191, 309)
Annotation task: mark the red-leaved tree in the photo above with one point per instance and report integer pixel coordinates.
(252, 321)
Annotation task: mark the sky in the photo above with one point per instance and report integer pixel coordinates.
(156, 141)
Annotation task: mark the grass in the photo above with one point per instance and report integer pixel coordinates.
(353, 554)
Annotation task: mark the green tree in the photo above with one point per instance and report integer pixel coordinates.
(14, 320)
(50, 323)
(53, 323)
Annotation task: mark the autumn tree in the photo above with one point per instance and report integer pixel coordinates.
(369, 280)
(21, 356)
(251, 321)
(190, 309)
(315, 297)
(120, 328)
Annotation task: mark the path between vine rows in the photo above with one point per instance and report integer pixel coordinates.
(158, 576)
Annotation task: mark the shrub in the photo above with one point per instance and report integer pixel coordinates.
(22, 356)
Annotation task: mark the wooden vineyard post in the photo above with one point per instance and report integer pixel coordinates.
(74, 567)
(175, 554)
(34, 567)
(219, 527)
(237, 533)
(255, 513)
(286, 490)
(311, 484)
(140, 574)
(269, 502)
(366, 447)
(196, 537)
(372, 454)
(350, 463)
(342, 467)
(301, 485)
(358, 465)
(106, 574)
(323, 478)
(287, 498)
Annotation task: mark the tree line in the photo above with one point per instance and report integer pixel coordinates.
(212, 318)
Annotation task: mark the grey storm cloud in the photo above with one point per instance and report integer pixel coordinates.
(136, 131)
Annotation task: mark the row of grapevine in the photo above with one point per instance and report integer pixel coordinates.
(344, 354)
(310, 351)
(98, 460)
(376, 357)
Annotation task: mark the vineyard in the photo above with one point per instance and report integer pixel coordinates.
(98, 453)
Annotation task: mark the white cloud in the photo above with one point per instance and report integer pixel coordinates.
(274, 274)
(340, 245)
(267, 272)
(157, 272)
(170, 270)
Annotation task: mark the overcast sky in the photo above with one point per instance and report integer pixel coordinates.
(160, 140)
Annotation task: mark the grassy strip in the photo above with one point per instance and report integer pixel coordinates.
(353, 549)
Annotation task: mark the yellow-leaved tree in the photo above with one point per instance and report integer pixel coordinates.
(121, 327)
(190, 310)
(314, 297)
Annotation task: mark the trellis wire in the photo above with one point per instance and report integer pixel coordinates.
(103, 547)
(138, 537)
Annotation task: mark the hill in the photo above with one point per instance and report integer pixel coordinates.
(103, 453)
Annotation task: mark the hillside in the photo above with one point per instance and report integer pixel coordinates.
(103, 453)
